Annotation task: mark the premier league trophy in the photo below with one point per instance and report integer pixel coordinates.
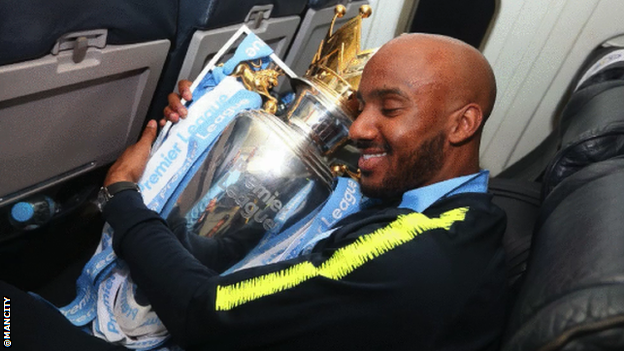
(263, 173)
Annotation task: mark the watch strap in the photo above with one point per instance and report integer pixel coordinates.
(121, 186)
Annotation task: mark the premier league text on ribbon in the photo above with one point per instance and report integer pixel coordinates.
(201, 128)
(350, 198)
(7, 322)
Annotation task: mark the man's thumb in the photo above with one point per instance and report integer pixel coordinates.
(149, 134)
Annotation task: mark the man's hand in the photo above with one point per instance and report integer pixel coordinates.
(175, 110)
(130, 166)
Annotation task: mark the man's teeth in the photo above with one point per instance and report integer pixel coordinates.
(369, 156)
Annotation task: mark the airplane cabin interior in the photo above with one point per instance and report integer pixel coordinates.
(80, 79)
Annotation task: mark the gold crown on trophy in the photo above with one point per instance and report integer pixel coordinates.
(337, 66)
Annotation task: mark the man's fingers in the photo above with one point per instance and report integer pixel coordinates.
(175, 104)
(184, 87)
(176, 110)
(170, 115)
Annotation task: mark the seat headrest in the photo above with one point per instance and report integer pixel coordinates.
(592, 129)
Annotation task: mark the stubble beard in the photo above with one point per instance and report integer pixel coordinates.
(418, 167)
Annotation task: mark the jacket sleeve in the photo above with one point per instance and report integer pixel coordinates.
(126, 210)
(347, 293)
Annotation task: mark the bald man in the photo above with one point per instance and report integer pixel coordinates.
(422, 269)
(423, 101)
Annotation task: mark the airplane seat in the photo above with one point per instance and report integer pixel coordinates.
(205, 26)
(313, 29)
(587, 127)
(572, 297)
(521, 201)
(76, 79)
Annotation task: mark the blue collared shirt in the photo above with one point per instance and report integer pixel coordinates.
(421, 198)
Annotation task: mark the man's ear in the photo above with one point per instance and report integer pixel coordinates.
(465, 123)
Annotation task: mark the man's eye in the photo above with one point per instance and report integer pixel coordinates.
(390, 111)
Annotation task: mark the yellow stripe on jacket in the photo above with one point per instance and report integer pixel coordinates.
(344, 261)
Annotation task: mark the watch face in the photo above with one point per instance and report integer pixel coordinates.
(107, 192)
(102, 198)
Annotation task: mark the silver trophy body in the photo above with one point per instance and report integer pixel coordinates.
(264, 174)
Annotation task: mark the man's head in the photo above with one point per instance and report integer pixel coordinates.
(423, 101)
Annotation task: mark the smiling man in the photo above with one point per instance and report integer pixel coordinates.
(420, 269)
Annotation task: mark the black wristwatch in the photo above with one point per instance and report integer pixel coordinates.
(108, 192)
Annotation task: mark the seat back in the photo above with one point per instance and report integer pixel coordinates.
(276, 32)
(75, 88)
(521, 202)
(573, 294)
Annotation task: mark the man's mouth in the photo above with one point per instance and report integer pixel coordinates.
(369, 156)
(370, 161)
(373, 156)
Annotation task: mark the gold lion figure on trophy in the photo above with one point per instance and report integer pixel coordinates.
(259, 81)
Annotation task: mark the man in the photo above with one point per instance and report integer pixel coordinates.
(423, 269)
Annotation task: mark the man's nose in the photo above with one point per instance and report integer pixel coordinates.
(363, 128)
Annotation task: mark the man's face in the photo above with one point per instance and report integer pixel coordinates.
(400, 130)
